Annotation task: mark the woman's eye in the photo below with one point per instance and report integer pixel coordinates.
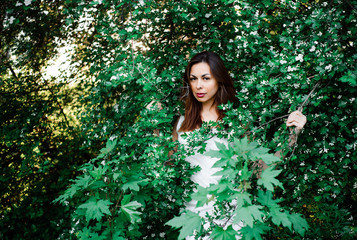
(206, 79)
(191, 79)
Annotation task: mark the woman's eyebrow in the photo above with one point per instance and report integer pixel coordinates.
(205, 74)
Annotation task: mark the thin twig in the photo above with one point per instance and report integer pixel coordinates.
(272, 121)
(308, 96)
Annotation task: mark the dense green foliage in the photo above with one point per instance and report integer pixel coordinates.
(128, 57)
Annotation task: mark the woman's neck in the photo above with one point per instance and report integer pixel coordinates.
(209, 113)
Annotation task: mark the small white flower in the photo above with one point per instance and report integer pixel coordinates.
(291, 69)
(283, 61)
(328, 67)
(28, 2)
(312, 49)
(300, 58)
(18, 4)
(207, 15)
(288, 77)
(130, 29)
(11, 20)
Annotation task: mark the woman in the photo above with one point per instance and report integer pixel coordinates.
(208, 86)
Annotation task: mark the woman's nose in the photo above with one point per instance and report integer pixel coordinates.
(199, 84)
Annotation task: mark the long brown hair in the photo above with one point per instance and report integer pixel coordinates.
(225, 91)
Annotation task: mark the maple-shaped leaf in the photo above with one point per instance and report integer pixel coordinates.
(219, 233)
(224, 154)
(263, 154)
(248, 214)
(228, 173)
(133, 183)
(99, 172)
(96, 209)
(110, 145)
(83, 181)
(280, 217)
(266, 199)
(188, 222)
(260, 150)
(130, 209)
(267, 179)
(200, 196)
(67, 194)
(268, 158)
(299, 223)
(223, 190)
(242, 146)
(254, 232)
(242, 198)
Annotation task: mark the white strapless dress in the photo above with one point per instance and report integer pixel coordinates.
(204, 177)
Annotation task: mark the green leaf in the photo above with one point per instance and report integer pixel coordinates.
(83, 181)
(228, 173)
(249, 214)
(299, 223)
(130, 209)
(267, 179)
(223, 190)
(200, 196)
(266, 199)
(242, 146)
(110, 145)
(280, 217)
(268, 158)
(242, 198)
(224, 154)
(96, 209)
(263, 154)
(254, 232)
(350, 78)
(99, 172)
(133, 183)
(219, 233)
(69, 193)
(188, 222)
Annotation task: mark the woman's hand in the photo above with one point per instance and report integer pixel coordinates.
(296, 119)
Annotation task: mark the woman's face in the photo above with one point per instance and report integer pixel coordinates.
(203, 85)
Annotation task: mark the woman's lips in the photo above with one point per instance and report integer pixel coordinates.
(200, 95)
